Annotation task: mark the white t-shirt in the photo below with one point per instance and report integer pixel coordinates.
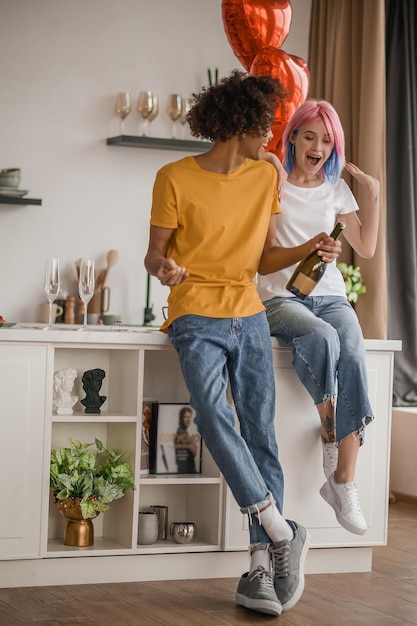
(307, 211)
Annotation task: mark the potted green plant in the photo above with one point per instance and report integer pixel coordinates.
(353, 281)
(84, 483)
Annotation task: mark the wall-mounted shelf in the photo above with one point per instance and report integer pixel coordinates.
(132, 141)
(19, 200)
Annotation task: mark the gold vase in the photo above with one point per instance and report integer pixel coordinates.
(78, 531)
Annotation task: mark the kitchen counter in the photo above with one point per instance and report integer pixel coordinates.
(125, 334)
(140, 362)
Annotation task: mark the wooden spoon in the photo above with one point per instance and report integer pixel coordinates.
(112, 258)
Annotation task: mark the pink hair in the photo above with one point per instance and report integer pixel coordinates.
(312, 111)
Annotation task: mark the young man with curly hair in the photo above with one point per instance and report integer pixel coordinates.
(209, 221)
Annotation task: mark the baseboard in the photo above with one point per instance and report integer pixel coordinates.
(403, 497)
(153, 567)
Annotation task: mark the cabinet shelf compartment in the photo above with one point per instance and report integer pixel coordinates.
(113, 531)
(163, 380)
(196, 503)
(120, 384)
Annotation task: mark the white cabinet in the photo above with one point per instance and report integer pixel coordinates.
(22, 398)
(140, 365)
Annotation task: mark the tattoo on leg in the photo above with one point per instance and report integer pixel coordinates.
(328, 430)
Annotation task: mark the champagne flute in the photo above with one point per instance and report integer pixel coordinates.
(152, 115)
(52, 285)
(123, 108)
(174, 110)
(86, 286)
(145, 106)
(186, 106)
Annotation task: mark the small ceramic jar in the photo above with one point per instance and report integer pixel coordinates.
(147, 527)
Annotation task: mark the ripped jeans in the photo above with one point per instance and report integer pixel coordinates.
(328, 354)
(214, 353)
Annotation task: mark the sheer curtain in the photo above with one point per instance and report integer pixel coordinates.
(401, 54)
(347, 68)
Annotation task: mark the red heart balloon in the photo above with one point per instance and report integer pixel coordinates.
(293, 74)
(251, 25)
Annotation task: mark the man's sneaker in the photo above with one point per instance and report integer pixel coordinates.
(256, 591)
(288, 559)
(330, 455)
(344, 499)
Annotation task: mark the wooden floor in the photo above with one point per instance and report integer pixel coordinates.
(387, 596)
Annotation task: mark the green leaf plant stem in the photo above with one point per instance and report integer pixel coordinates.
(353, 281)
(93, 479)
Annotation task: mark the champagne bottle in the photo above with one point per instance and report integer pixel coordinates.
(310, 270)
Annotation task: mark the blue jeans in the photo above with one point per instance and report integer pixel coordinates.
(214, 353)
(328, 354)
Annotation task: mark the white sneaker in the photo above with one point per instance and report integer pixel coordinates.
(344, 499)
(330, 455)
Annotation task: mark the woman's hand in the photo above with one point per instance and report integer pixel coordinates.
(282, 174)
(362, 178)
(362, 232)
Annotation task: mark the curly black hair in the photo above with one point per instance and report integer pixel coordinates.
(238, 104)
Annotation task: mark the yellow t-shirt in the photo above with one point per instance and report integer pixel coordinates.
(220, 222)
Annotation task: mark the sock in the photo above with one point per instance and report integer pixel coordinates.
(260, 556)
(350, 483)
(274, 524)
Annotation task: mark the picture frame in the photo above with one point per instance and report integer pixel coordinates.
(175, 443)
(149, 412)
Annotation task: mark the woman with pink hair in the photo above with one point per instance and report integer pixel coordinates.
(322, 329)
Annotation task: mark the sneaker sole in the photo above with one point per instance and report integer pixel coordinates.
(262, 606)
(327, 496)
(300, 589)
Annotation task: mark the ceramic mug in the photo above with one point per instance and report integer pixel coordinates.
(44, 312)
(147, 527)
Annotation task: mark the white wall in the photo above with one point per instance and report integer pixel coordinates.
(403, 452)
(63, 61)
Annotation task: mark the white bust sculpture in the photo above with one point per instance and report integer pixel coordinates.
(63, 384)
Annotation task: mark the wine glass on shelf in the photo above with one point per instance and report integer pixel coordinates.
(123, 108)
(152, 115)
(174, 110)
(186, 106)
(147, 103)
(52, 285)
(86, 286)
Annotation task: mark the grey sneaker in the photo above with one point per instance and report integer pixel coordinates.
(330, 455)
(288, 559)
(256, 591)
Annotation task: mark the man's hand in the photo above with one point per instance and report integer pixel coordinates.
(327, 248)
(170, 273)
